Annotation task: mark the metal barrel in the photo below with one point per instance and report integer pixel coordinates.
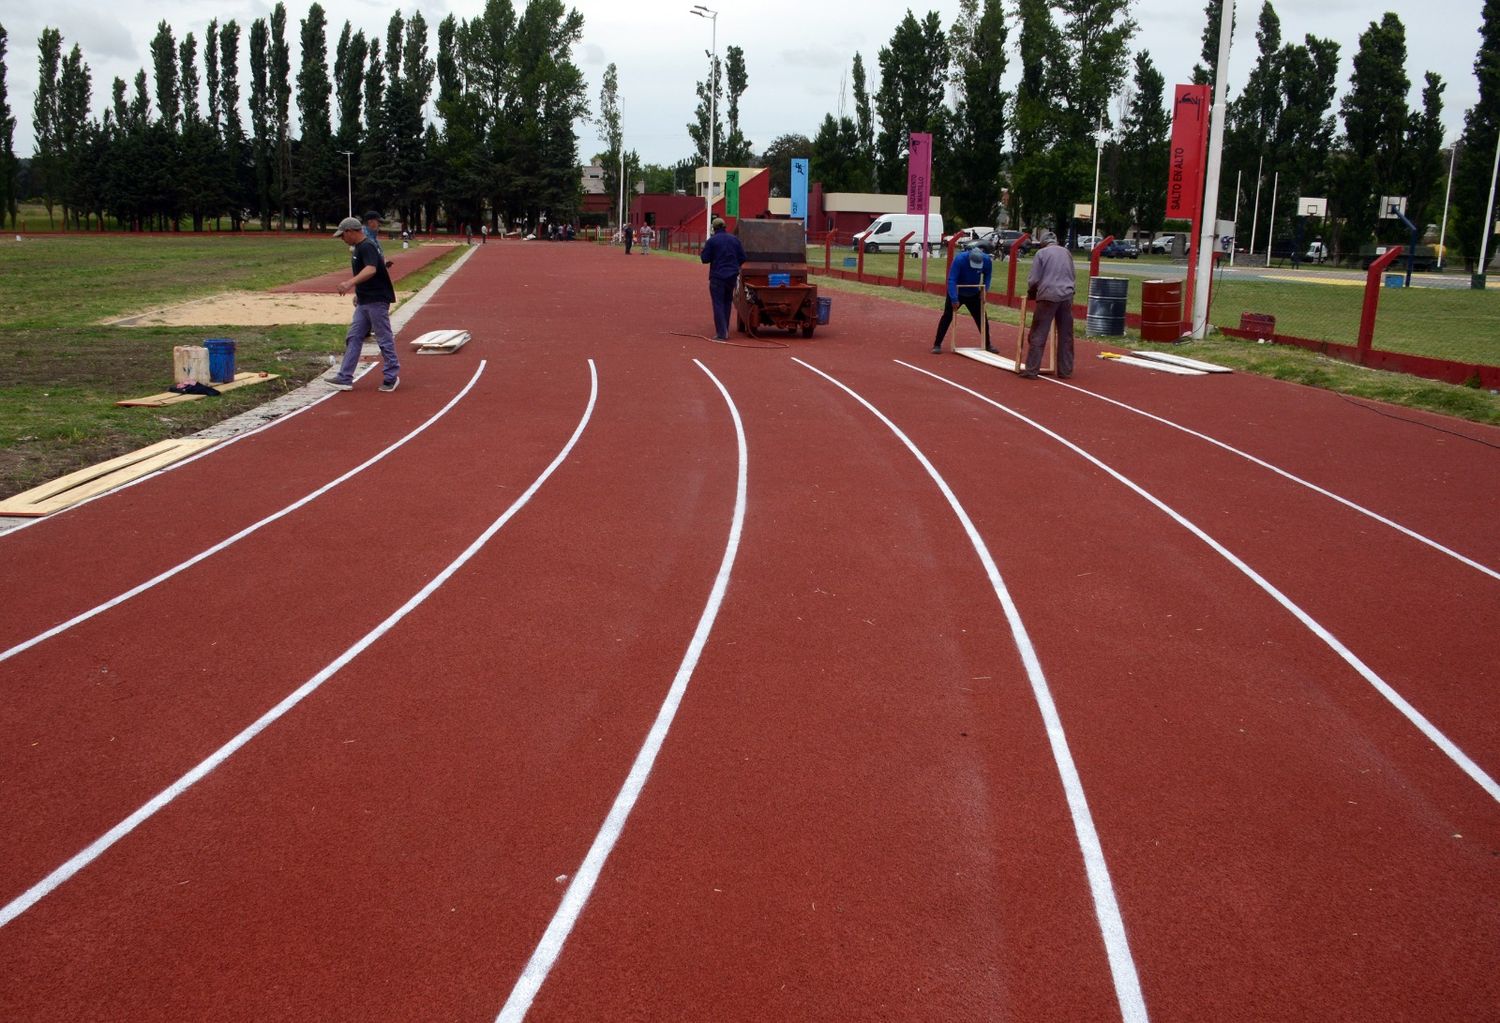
(1107, 306)
(1161, 310)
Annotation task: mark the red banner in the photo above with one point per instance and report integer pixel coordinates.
(919, 172)
(1189, 147)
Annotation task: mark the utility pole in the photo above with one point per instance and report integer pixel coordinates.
(713, 115)
(1211, 191)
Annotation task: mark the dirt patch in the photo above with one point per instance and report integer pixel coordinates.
(247, 309)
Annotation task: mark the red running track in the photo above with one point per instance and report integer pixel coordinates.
(407, 262)
(857, 811)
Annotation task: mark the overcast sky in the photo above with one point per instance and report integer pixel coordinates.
(797, 53)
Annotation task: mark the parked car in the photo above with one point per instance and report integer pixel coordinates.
(1123, 248)
(1162, 243)
(1088, 241)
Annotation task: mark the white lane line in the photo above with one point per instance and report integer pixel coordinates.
(1492, 573)
(582, 886)
(52, 881)
(1106, 907)
(135, 591)
(1448, 746)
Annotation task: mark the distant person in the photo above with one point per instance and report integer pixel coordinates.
(648, 235)
(724, 254)
(372, 232)
(629, 236)
(484, 234)
(373, 295)
(1050, 285)
(468, 234)
(968, 282)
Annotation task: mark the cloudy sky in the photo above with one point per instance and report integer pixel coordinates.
(797, 53)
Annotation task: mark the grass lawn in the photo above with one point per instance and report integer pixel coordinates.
(61, 373)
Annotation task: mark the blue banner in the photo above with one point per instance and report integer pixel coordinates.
(799, 189)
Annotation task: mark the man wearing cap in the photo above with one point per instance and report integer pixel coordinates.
(1050, 285)
(373, 295)
(724, 254)
(968, 281)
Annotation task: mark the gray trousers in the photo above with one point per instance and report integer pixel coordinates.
(1041, 326)
(369, 318)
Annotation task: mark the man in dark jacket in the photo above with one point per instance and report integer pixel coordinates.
(373, 295)
(724, 254)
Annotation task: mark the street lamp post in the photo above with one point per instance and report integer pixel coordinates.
(349, 176)
(713, 113)
(1447, 195)
(1098, 157)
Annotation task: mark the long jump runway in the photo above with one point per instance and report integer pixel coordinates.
(602, 673)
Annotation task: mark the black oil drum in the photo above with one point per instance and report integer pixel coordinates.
(1107, 306)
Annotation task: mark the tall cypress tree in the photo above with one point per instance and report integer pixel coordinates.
(864, 121)
(9, 185)
(1424, 154)
(910, 97)
(280, 69)
(1370, 161)
(736, 146)
(238, 182)
(44, 117)
(317, 177)
(977, 148)
(1473, 177)
(262, 112)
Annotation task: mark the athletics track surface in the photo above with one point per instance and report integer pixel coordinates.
(858, 808)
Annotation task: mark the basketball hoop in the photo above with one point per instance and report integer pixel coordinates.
(1392, 207)
(1312, 207)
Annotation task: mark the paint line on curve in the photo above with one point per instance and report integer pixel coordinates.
(82, 859)
(1449, 748)
(1122, 967)
(550, 947)
(209, 552)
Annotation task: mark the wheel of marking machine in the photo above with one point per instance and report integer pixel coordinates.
(808, 328)
(753, 327)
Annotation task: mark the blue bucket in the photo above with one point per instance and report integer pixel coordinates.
(850, 262)
(825, 307)
(1395, 280)
(220, 360)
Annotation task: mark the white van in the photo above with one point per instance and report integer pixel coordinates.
(889, 228)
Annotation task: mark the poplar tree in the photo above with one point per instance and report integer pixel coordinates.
(736, 146)
(238, 175)
(1145, 134)
(698, 129)
(280, 69)
(1213, 13)
(1305, 130)
(1370, 162)
(910, 97)
(74, 97)
(262, 131)
(9, 183)
(318, 179)
(977, 147)
(1474, 175)
(44, 117)
(1424, 166)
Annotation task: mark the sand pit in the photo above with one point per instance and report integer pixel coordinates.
(247, 309)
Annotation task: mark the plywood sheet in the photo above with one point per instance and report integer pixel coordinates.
(85, 483)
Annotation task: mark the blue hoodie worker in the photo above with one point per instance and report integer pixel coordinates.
(968, 281)
(724, 254)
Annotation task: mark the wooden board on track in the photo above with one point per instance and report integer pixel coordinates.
(173, 398)
(988, 358)
(1180, 360)
(440, 342)
(1160, 367)
(85, 483)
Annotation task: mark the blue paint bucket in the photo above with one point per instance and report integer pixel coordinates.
(825, 307)
(780, 280)
(220, 360)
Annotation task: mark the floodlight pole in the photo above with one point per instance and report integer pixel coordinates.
(1271, 226)
(1255, 217)
(1098, 158)
(1489, 221)
(1447, 194)
(1211, 190)
(349, 176)
(713, 115)
(1237, 176)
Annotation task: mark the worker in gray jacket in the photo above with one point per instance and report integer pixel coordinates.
(1050, 285)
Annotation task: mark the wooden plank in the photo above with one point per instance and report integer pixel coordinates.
(97, 479)
(442, 339)
(988, 358)
(1160, 367)
(1180, 360)
(173, 398)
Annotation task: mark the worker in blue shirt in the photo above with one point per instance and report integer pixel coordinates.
(723, 253)
(968, 281)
